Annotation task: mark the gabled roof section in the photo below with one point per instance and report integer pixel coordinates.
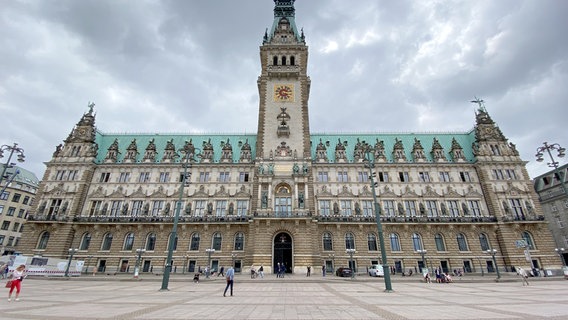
(349, 141)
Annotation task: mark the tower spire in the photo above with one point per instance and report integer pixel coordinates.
(284, 12)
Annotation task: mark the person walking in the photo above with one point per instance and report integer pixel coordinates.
(261, 272)
(3, 270)
(323, 270)
(524, 275)
(309, 271)
(230, 276)
(221, 272)
(17, 278)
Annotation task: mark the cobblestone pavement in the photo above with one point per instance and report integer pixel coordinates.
(294, 297)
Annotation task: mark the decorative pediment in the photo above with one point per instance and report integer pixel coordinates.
(242, 193)
(324, 192)
(430, 193)
(98, 193)
(345, 192)
(159, 193)
(118, 193)
(471, 192)
(201, 192)
(365, 192)
(138, 193)
(451, 193)
(409, 193)
(57, 190)
(388, 193)
(222, 192)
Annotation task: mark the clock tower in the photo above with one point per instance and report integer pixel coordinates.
(283, 140)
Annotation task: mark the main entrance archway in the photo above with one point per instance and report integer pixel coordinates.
(283, 251)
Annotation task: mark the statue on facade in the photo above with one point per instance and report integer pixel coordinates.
(231, 208)
(209, 208)
(264, 200)
(296, 168)
(261, 169)
(271, 168)
(301, 200)
(335, 208)
(188, 208)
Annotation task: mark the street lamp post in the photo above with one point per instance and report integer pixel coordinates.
(13, 149)
(422, 253)
(139, 253)
(209, 252)
(173, 236)
(351, 265)
(560, 252)
(553, 164)
(72, 251)
(492, 252)
(371, 165)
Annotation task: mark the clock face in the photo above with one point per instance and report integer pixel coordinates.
(283, 92)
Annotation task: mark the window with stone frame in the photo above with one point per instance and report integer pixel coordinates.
(194, 244)
(43, 240)
(107, 242)
(128, 242)
(395, 242)
(372, 242)
(349, 241)
(484, 242)
(85, 241)
(440, 242)
(239, 241)
(327, 241)
(151, 242)
(217, 241)
(462, 242)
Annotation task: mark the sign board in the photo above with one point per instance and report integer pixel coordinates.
(520, 243)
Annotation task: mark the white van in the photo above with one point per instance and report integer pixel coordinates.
(376, 270)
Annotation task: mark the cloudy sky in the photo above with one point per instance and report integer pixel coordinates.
(191, 66)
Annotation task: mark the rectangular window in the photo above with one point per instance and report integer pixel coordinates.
(105, 177)
(16, 197)
(242, 208)
(403, 176)
(363, 176)
(26, 200)
(115, 208)
(2, 240)
(73, 174)
(517, 208)
(498, 174)
(243, 177)
(324, 207)
(204, 177)
(510, 174)
(60, 175)
(389, 207)
(4, 195)
(322, 176)
(95, 208)
(444, 176)
(16, 227)
(144, 177)
(342, 176)
(137, 207)
(224, 176)
(495, 150)
(21, 213)
(1, 209)
(11, 211)
(164, 177)
(383, 177)
(220, 208)
(5, 225)
(124, 177)
(157, 207)
(200, 208)
(431, 208)
(453, 208)
(367, 208)
(560, 222)
(424, 176)
(464, 176)
(474, 207)
(345, 207)
(54, 207)
(410, 207)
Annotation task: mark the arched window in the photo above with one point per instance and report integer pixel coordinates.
(395, 242)
(440, 243)
(43, 239)
(417, 242)
(349, 241)
(128, 242)
(151, 242)
(194, 246)
(484, 242)
(85, 242)
(528, 239)
(462, 242)
(275, 60)
(372, 242)
(292, 61)
(327, 242)
(239, 241)
(283, 60)
(217, 240)
(175, 244)
(107, 242)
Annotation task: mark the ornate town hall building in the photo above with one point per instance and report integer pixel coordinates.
(286, 195)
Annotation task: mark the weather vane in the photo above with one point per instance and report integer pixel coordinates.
(480, 103)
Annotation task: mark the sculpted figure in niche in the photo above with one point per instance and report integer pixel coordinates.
(188, 208)
(301, 200)
(335, 208)
(264, 199)
(305, 168)
(146, 209)
(261, 169)
(167, 209)
(271, 168)
(209, 208)
(296, 168)
(357, 209)
(125, 209)
(231, 208)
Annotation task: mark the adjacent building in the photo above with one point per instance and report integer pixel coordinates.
(17, 193)
(551, 189)
(287, 195)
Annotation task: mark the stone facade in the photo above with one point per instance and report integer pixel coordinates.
(287, 195)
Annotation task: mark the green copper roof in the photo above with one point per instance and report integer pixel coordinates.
(285, 9)
(104, 141)
(330, 141)
(24, 176)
